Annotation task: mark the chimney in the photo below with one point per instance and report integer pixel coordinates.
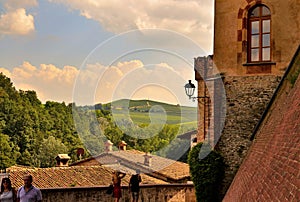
(108, 146)
(147, 159)
(122, 146)
(80, 152)
(62, 160)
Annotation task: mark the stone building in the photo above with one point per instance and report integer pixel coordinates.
(271, 168)
(89, 183)
(255, 36)
(87, 180)
(254, 42)
(128, 161)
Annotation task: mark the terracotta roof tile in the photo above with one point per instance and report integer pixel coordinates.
(129, 160)
(75, 176)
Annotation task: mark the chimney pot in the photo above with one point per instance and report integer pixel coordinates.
(122, 146)
(62, 160)
(108, 146)
(147, 159)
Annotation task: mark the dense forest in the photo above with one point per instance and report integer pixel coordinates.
(33, 133)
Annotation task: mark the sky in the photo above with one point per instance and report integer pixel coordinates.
(97, 51)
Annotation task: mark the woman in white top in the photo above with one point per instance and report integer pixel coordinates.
(7, 193)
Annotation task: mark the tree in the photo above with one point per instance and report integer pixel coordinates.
(177, 149)
(8, 152)
(49, 149)
(27, 123)
(207, 172)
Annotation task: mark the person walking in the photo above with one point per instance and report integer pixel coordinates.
(116, 180)
(28, 192)
(134, 186)
(7, 193)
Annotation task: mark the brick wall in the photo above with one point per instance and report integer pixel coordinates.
(271, 170)
(149, 193)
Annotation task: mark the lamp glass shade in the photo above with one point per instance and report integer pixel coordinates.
(189, 89)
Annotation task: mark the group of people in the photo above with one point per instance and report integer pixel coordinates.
(26, 193)
(134, 185)
(30, 193)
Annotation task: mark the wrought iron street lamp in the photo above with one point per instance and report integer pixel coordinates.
(190, 90)
(205, 101)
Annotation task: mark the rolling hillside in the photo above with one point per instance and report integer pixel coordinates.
(139, 111)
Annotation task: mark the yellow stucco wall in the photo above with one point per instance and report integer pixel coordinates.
(229, 34)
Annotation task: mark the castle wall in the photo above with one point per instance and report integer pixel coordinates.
(271, 169)
(246, 99)
(248, 86)
(230, 35)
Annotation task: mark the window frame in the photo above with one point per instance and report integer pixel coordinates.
(260, 19)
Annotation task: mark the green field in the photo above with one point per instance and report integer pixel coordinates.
(139, 112)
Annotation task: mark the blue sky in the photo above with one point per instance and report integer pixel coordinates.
(98, 51)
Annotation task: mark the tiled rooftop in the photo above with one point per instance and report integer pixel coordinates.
(75, 176)
(130, 160)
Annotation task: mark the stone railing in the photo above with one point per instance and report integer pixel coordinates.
(149, 193)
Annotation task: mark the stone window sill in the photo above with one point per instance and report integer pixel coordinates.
(259, 63)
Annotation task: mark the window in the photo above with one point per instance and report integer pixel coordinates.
(259, 33)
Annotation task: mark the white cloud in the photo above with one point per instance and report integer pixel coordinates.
(5, 72)
(16, 22)
(49, 81)
(141, 82)
(98, 83)
(193, 18)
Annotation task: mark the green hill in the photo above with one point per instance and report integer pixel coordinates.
(139, 111)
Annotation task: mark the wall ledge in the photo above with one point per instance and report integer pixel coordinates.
(259, 63)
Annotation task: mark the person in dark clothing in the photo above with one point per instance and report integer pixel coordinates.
(134, 186)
